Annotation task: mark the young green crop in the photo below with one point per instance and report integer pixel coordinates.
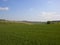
(24, 34)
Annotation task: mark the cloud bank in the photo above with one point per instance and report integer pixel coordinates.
(4, 8)
(50, 16)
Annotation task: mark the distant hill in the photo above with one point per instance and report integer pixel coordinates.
(33, 22)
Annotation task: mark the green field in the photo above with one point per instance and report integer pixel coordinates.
(24, 34)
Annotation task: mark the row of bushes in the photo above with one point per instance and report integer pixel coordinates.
(52, 22)
(48, 22)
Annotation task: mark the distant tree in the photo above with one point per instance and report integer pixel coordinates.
(48, 22)
(2, 19)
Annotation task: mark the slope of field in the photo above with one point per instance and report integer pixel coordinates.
(24, 34)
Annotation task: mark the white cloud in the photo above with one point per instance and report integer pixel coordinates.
(31, 9)
(5, 0)
(50, 16)
(49, 2)
(3, 8)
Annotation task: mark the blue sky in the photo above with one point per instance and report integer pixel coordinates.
(31, 10)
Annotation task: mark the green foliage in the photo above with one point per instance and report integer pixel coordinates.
(48, 22)
(24, 34)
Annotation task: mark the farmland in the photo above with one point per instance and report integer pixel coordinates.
(25, 34)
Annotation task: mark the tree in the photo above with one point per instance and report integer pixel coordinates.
(48, 22)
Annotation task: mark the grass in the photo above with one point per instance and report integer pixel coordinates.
(24, 34)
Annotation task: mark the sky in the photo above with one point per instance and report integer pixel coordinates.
(30, 10)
